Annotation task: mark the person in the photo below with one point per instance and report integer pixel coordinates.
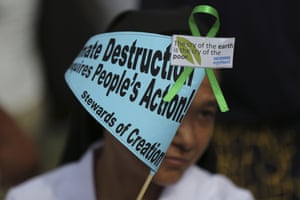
(21, 78)
(107, 170)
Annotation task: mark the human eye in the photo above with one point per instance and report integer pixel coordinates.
(206, 114)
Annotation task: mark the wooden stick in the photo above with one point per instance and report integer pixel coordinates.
(145, 186)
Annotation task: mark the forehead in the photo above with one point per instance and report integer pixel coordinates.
(204, 93)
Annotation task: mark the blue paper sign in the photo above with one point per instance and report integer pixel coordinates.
(120, 78)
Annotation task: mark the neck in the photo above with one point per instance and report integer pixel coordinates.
(116, 179)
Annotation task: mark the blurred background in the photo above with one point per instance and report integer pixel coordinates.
(256, 142)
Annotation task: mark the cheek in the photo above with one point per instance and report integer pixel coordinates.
(203, 137)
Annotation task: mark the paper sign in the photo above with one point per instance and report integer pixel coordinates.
(196, 51)
(120, 78)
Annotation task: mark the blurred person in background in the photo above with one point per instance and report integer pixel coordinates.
(19, 154)
(21, 93)
(21, 76)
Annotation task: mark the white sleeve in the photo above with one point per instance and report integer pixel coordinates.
(35, 189)
(220, 187)
(197, 183)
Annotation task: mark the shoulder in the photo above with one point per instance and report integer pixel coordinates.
(197, 183)
(72, 181)
(40, 187)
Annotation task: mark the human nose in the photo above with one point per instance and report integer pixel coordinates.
(184, 138)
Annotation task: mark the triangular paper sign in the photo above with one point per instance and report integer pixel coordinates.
(121, 78)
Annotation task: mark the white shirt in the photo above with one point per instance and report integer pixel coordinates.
(75, 182)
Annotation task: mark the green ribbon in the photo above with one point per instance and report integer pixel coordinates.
(209, 72)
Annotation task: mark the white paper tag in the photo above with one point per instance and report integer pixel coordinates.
(196, 51)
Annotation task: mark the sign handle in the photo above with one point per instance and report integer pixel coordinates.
(145, 186)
